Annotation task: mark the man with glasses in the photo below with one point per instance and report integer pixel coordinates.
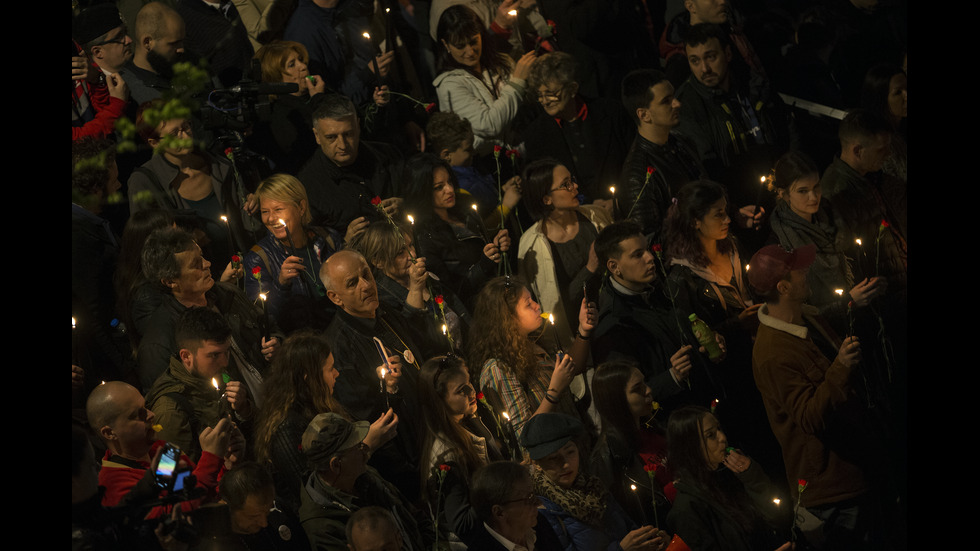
(342, 483)
(589, 136)
(100, 93)
(502, 496)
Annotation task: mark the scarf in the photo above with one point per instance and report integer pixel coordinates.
(585, 500)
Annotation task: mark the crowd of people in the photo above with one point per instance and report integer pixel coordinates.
(489, 274)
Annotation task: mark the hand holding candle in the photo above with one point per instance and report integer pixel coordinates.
(292, 268)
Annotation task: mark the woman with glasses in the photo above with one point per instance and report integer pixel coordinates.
(556, 253)
(199, 189)
(589, 136)
(476, 81)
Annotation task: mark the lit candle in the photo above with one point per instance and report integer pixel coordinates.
(222, 399)
(231, 242)
(512, 13)
(775, 500)
(74, 343)
(289, 237)
(559, 353)
(265, 315)
(384, 390)
(840, 292)
(639, 504)
(714, 405)
(758, 198)
(374, 59)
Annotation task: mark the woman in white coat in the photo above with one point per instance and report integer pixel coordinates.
(475, 81)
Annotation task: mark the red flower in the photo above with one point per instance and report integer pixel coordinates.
(256, 270)
(376, 201)
(444, 468)
(802, 483)
(650, 467)
(430, 108)
(228, 152)
(479, 396)
(235, 258)
(513, 154)
(657, 248)
(650, 170)
(884, 224)
(850, 304)
(438, 299)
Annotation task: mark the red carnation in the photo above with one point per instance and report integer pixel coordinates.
(430, 108)
(444, 467)
(228, 152)
(236, 258)
(884, 224)
(650, 170)
(479, 395)
(650, 467)
(256, 271)
(497, 149)
(802, 483)
(376, 201)
(438, 299)
(656, 248)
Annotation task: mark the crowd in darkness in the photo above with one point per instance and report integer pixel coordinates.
(489, 274)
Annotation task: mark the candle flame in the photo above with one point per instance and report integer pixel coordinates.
(366, 35)
(512, 13)
(224, 218)
(551, 318)
(214, 383)
(411, 219)
(746, 267)
(840, 292)
(387, 10)
(775, 500)
(474, 207)
(73, 322)
(504, 413)
(612, 189)
(283, 222)
(383, 372)
(444, 329)
(858, 241)
(762, 179)
(633, 487)
(262, 296)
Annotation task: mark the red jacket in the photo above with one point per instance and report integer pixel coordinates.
(119, 477)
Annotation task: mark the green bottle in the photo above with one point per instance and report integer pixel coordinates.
(705, 336)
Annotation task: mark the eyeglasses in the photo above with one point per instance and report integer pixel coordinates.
(184, 128)
(567, 185)
(121, 40)
(551, 97)
(530, 499)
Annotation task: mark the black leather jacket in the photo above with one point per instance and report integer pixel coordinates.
(674, 164)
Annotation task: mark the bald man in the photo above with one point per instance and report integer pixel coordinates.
(350, 285)
(117, 412)
(158, 43)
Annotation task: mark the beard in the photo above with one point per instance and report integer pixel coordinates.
(161, 65)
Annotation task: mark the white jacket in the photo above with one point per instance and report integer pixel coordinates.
(462, 93)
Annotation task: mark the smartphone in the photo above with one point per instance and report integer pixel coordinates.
(168, 461)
